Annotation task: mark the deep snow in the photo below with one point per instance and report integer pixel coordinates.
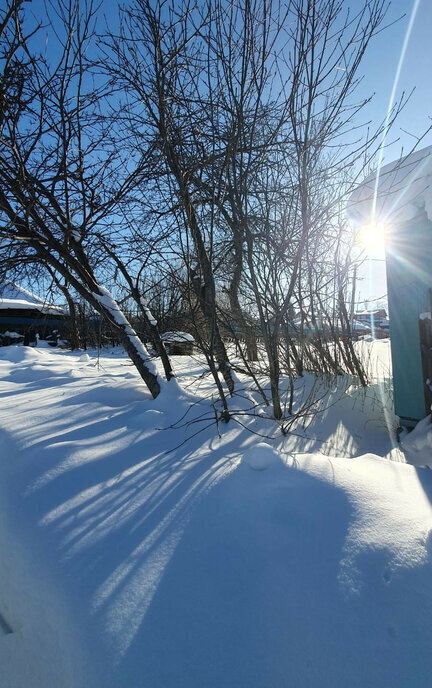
(140, 548)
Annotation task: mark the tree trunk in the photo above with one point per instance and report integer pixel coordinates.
(75, 340)
(150, 327)
(206, 293)
(131, 344)
(274, 369)
(247, 330)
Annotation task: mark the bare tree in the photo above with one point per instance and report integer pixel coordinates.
(239, 143)
(62, 174)
(158, 67)
(249, 110)
(288, 209)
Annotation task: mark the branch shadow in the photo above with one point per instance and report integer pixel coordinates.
(228, 608)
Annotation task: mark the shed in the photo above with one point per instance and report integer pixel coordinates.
(180, 343)
(400, 198)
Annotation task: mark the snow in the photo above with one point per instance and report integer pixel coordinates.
(397, 192)
(144, 546)
(13, 296)
(417, 444)
(359, 326)
(147, 311)
(261, 457)
(368, 313)
(11, 335)
(21, 304)
(9, 290)
(174, 337)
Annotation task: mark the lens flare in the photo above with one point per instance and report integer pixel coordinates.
(372, 236)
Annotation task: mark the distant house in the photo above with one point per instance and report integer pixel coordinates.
(178, 343)
(376, 321)
(23, 315)
(331, 328)
(367, 316)
(360, 328)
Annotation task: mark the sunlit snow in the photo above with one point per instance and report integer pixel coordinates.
(142, 545)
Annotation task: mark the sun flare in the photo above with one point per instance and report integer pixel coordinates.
(372, 236)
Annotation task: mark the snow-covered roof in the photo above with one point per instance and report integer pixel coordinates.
(360, 326)
(398, 192)
(14, 297)
(176, 337)
(10, 290)
(368, 313)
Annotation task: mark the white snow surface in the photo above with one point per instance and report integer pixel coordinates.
(360, 326)
(398, 192)
(141, 545)
(10, 290)
(417, 444)
(261, 457)
(11, 335)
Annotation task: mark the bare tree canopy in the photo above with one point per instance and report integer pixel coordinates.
(207, 147)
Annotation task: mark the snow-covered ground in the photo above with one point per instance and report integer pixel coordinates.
(143, 546)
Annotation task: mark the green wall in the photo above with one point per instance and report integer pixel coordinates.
(409, 277)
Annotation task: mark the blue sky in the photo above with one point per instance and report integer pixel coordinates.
(380, 68)
(381, 64)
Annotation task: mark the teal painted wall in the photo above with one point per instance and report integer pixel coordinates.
(409, 277)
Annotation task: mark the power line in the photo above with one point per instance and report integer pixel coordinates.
(378, 298)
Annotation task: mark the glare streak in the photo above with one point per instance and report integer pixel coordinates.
(392, 98)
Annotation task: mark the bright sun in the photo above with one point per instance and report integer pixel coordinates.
(372, 236)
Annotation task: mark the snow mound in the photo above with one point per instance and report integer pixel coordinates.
(151, 418)
(84, 358)
(417, 444)
(21, 354)
(261, 457)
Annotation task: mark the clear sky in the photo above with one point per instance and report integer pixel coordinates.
(380, 68)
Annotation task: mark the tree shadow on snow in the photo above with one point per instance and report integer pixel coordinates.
(249, 595)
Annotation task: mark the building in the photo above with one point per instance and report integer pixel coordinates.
(401, 199)
(178, 343)
(375, 320)
(24, 315)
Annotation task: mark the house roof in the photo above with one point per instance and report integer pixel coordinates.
(360, 326)
(398, 192)
(14, 297)
(177, 337)
(369, 313)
